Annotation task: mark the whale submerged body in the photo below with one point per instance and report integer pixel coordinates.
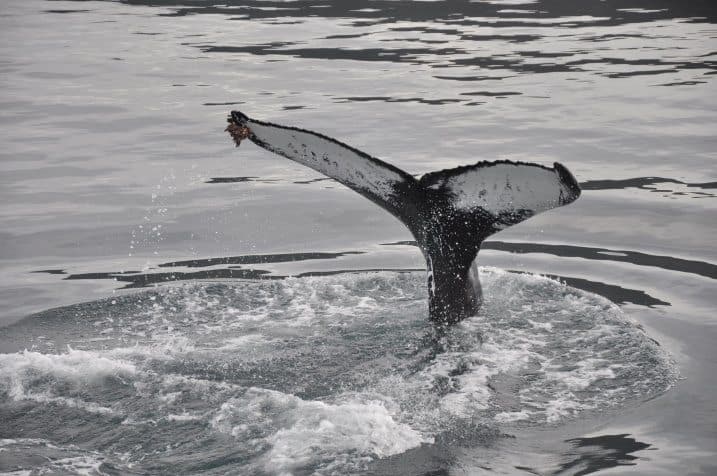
(449, 212)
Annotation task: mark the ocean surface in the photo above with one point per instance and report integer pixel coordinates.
(170, 304)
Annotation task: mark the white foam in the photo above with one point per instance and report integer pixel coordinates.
(19, 372)
(90, 407)
(306, 434)
(24, 441)
(86, 465)
(183, 417)
(507, 417)
(571, 344)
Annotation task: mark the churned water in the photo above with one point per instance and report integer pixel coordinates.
(315, 375)
(173, 305)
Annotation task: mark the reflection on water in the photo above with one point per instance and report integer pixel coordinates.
(257, 259)
(650, 184)
(449, 35)
(641, 259)
(569, 14)
(643, 183)
(615, 293)
(601, 452)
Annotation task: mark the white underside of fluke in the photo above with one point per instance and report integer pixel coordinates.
(333, 159)
(502, 187)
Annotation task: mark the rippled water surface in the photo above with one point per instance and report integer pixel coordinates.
(171, 304)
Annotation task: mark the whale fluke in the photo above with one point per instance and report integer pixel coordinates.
(449, 212)
(380, 182)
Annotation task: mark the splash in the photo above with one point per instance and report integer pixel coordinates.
(320, 374)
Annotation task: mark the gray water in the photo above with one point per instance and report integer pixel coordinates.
(148, 324)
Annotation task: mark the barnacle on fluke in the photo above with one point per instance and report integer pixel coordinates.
(238, 132)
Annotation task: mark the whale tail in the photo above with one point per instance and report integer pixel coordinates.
(449, 212)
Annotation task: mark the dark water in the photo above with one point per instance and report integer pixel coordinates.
(116, 176)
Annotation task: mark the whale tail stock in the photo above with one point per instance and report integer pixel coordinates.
(449, 212)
